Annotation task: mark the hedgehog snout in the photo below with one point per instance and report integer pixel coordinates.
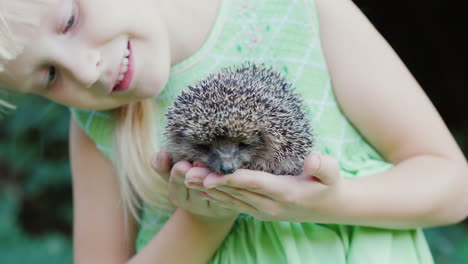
(225, 166)
(224, 163)
(227, 169)
(226, 158)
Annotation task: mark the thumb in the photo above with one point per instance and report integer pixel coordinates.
(162, 163)
(325, 168)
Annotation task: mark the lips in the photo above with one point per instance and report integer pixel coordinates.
(125, 75)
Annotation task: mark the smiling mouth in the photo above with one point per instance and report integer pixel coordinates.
(126, 71)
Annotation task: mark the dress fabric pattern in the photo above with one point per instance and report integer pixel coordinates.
(283, 34)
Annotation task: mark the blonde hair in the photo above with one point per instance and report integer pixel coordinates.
(10, 45)
(134, 135)
(20, 14)
(135, 144)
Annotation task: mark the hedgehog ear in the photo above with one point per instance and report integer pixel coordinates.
(179, 136)
(266, 139)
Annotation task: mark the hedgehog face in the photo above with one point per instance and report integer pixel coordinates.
(225, 156)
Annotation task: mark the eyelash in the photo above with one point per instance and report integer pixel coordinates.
(52, 74)
(70, 23)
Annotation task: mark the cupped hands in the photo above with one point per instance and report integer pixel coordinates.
(313, 196)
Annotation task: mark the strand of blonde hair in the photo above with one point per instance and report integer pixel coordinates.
(135, 144)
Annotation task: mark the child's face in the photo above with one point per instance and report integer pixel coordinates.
(76, 54)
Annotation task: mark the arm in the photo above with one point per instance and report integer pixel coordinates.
(99, 228)
(427, 186)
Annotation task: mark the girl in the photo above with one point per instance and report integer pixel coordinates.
(119, 70)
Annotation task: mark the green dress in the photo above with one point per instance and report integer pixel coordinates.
(283, 34)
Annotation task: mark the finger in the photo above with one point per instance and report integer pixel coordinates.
(307, 177)
(197, 174)
(195, 186)
(184, 197)
(325, 168)
(178, 194)
(161, 163)
(198, 197)
(195, 200)
(179, 170)
(228, 201)
(255, 200)
(202, 193)
(259, 182)
(198, 163)
(211, 202)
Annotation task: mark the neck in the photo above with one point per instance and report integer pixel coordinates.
(189, 24)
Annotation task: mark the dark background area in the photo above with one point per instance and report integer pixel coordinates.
(35, 192)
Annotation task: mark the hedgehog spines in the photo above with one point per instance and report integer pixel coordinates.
(241, 102)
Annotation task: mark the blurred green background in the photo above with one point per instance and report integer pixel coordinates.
(35, 192)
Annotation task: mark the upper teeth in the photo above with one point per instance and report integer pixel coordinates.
(124, 67)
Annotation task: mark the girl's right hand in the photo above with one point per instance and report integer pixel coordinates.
(189, 199)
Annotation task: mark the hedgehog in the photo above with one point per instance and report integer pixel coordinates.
(244, 117)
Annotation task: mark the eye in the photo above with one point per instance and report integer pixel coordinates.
(243, 145)
(70, 23)
(72, 18)
(202, 147)
(52, 76)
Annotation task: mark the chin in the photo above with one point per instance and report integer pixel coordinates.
(151, 92)
(156, 86)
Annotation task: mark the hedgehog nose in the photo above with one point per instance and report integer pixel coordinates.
(228, 169)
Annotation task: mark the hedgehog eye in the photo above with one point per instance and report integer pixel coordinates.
(202, 147)
(243, 145)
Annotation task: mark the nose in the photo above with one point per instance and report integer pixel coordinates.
(227, 169)
(84, 66)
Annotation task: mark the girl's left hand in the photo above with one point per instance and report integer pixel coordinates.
(309, 197)
(185, 198)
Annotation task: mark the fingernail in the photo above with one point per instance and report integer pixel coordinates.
(208, 183)
(193, 180)
(195, 186)
(204, 195)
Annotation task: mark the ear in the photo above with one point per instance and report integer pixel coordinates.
(176, 146)
(265, 141)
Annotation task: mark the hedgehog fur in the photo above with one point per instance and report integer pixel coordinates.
(242, 117)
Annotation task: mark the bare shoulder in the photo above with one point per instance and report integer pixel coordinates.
(99, 220)
(375, 89)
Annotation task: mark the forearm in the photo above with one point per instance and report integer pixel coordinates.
(185, 238)
(418, 192)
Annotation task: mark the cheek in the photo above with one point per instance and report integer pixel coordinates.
(81, 100)
(244, 155)
(134, 18)
(63, 96)
(213, 161)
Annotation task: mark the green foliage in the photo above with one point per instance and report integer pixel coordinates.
(18, 247)
(449, 245)
(35, 192)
